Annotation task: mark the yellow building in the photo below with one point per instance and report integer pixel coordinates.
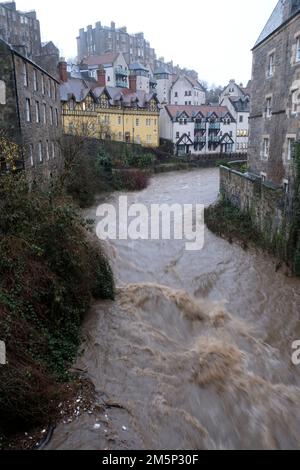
(113, 113)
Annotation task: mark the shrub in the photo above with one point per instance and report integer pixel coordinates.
(130, 180)
(49, 271)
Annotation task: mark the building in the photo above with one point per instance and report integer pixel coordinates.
(198, 129)
(164, 82)
(233, 90)
(103, 39)
(22, 31)
(186, 91)
(30, 111)
(114, 65)
(237, 100)
(122, 114)
(275, 99)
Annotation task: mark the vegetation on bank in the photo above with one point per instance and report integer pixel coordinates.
(229, 222)
(50, 269)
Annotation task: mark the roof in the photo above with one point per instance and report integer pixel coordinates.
(15, 52)
(79, 89)
(74, 87)
(241, 105)
(105, 59)
(161, 70)
(138, 66)
(192, 81)
(191, 111)
(284, 11)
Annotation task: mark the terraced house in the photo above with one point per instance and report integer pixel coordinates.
(275, 100)
(123, 114)
(199, 129)
(30, 111)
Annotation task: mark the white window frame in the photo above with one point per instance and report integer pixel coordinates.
(266, 148)
(28, 110)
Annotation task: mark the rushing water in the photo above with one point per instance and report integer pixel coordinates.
(196, 351)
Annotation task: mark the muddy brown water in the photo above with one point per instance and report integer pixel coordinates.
(196, 351)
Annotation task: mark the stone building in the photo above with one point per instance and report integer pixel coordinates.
(30, 111)
(275, 98)
(22, 31)
(103, 39)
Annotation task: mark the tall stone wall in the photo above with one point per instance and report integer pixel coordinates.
(262, 201)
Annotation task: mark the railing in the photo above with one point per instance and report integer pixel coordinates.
(214, 139)
(200, 140)
(120, 71)
(200, 126)
(214, 126)
(121, 84)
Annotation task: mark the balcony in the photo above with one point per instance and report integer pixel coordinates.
(120, 72)
(212, 139)
(200, 140)
(121, 82)
(200, 126)
(214, 126)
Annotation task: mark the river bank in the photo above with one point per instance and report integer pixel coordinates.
(196, 350)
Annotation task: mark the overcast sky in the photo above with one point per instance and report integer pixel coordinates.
(213, 37)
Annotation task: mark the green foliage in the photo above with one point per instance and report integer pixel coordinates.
(229, 222)
(49, 271)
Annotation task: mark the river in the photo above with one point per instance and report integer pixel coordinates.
(196, 351)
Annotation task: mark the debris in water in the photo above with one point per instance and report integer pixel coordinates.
(124, 428)
(97, 427)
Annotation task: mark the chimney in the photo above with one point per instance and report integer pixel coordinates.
(101, 77)
(113, 25)
(63, 70)
(132, 83)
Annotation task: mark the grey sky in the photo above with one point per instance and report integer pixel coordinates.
(213, 37)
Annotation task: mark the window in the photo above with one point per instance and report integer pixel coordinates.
(43, 84)
(291, 142)
(119, 120)
(271, 65)
(298, 50)
(52, 149)
(47, 150)
(51, 115)
(27, 110)
(25, 74)
(177, 135)
(35, 82)
(50, 88)
(137, 122)
(37, 112)
(176, 94)
(266, 148)
(56, 117)
(31, 154)
(269, 108)
(44, 113)
(40, 152)
(241, 119)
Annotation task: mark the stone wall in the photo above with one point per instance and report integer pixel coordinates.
(264, 202)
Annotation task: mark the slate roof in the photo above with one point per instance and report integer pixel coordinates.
(281, 13)
(80, 89)
(191, 111)
(138, 66)
(241, 105)
(74, 87)
(105, 59)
